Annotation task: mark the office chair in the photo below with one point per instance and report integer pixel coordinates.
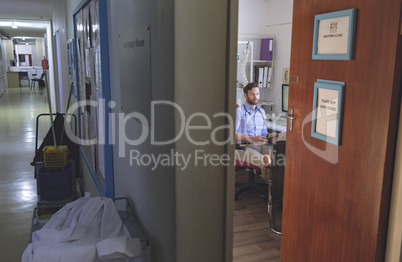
(40, 81)
(250, 184)
(275, 185)
(23, 75)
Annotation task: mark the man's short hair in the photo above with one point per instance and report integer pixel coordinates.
(249, 86)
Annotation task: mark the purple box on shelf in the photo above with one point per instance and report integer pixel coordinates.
(266, 49)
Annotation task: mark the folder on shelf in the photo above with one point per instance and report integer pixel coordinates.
(266, 49)
(260, 76)
(256, 73)
(265, 80)
(269, 78)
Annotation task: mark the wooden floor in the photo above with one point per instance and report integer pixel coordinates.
(253, 240)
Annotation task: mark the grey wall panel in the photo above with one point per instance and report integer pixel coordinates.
(151, 190)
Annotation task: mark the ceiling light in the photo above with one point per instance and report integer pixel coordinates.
(25, 23)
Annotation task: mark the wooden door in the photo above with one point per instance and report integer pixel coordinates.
(336, 198)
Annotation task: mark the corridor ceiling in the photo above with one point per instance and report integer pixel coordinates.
(38, 10)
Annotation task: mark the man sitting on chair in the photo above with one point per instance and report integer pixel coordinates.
(251, 130)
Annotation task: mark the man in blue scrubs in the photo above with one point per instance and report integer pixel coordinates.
(251, 130)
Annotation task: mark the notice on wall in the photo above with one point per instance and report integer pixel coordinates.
(135, 70)
(327, 111)
(333, 35)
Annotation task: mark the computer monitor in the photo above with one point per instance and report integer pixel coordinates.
(285, 96)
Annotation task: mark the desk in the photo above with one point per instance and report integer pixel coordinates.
(12, 78)
(276, 125)
(266, 103)
(32, 70)
(269, 104)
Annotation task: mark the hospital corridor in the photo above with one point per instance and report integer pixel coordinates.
(19, 108)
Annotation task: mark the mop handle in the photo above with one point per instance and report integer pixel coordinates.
(50, 111)
(68, 107)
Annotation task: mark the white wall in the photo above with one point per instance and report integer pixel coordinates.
(59, 24)
(23, 49)
(70, 5)
(270, 17)
(252, 17)
(50, 76)
(35, 59)
(279, 23)
(251, 26)
(8, 46)
(39, 50)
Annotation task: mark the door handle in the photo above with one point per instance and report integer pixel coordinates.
(290, 116)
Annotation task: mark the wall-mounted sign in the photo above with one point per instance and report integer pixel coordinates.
(135, 70)
(328, 110)
(334, 35)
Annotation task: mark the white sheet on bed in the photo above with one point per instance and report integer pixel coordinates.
(88, 229)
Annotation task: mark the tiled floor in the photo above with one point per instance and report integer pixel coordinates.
(19, 108)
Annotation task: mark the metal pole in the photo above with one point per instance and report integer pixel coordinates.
(50, 110)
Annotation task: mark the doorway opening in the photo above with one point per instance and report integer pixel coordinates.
(25, 59)
(263, 57)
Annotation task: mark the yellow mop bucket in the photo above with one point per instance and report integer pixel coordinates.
(55, 157)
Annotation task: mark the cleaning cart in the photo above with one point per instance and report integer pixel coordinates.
(56, 169)
(55, 160)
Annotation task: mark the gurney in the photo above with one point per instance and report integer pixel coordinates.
(88, 229)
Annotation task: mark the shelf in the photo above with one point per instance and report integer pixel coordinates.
(254, 36)
(262, 61)
(252, 61)
(266, 103)
(256, 61)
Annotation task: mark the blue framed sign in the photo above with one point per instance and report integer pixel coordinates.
(328, 111)
(334, 35)
(91, 67)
